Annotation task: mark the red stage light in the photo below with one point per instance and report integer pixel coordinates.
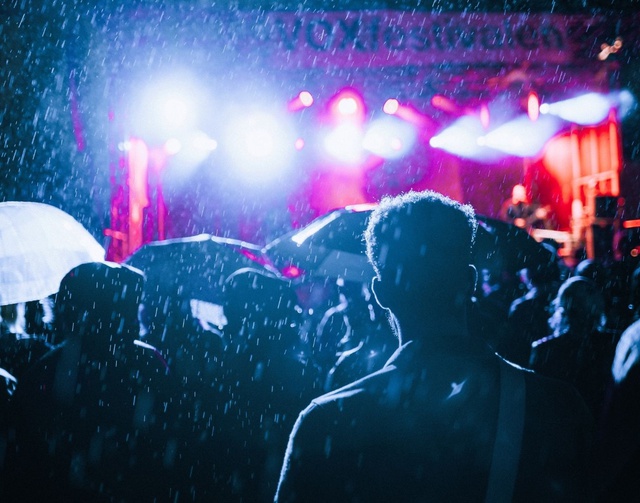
(533, 106)
(445, 104)
(484, 116)
(291, 271)
(347, 106)
(391, 106)
(305, 98)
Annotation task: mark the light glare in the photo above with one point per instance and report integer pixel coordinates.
(389, 137)
(461, 138)
(344, 143)
(347, 106)
(172, 146)
(260, 145)
(586, 110)
(521, 137)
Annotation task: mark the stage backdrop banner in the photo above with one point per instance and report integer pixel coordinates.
(389, 38)
(380, 38)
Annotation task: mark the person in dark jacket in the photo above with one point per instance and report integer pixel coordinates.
(267, 379)
(445, 419)
(94, 418)
(578, 350)
(528, 314)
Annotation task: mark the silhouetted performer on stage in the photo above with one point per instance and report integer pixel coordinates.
(445, 419)
(521, 212)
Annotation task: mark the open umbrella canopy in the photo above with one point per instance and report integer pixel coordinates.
(330, 246)
(39, 244)
(501, 246)
(194, 267)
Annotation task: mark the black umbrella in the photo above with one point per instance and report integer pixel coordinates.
(195, 267)
(330, 246)
(501, 246)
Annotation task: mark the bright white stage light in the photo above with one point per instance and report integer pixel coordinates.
(389, 137)
(167, 107)
(306, 98)
(586, 110)
(175, 111)
(172, 146)
(189, 151)
(260, 145)
(344, 143)
(201, 141)
(347, 106)
(461, 138)
(626, 102)
(521, 137)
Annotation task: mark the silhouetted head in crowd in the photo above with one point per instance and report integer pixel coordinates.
(578, 307)
(593, 270)
(419, 244)
(258, 302)
(99, 298)
(547, 271)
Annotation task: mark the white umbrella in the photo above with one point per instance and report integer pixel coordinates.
(39, 244)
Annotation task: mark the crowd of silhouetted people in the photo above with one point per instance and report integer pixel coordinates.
(438, 382)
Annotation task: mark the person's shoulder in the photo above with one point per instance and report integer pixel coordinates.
(47, 361)
(555, 398)
(360, 395)
(34, 383)
(147, 360)
(362, 388)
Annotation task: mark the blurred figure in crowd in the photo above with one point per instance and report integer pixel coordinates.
(266, 381)
(19, 349)
(577, 351)
(617, 452)
(521, 212)
(528, 314)
(612, 281)
(192, 351)
(93, 418)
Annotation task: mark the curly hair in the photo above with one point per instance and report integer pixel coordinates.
(420, 228)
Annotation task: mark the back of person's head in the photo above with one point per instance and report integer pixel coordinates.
(258, 300)
(579, 307)
(627, 355)
(593, 270)
(99, 297)
(545, 271)
(419, 243)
